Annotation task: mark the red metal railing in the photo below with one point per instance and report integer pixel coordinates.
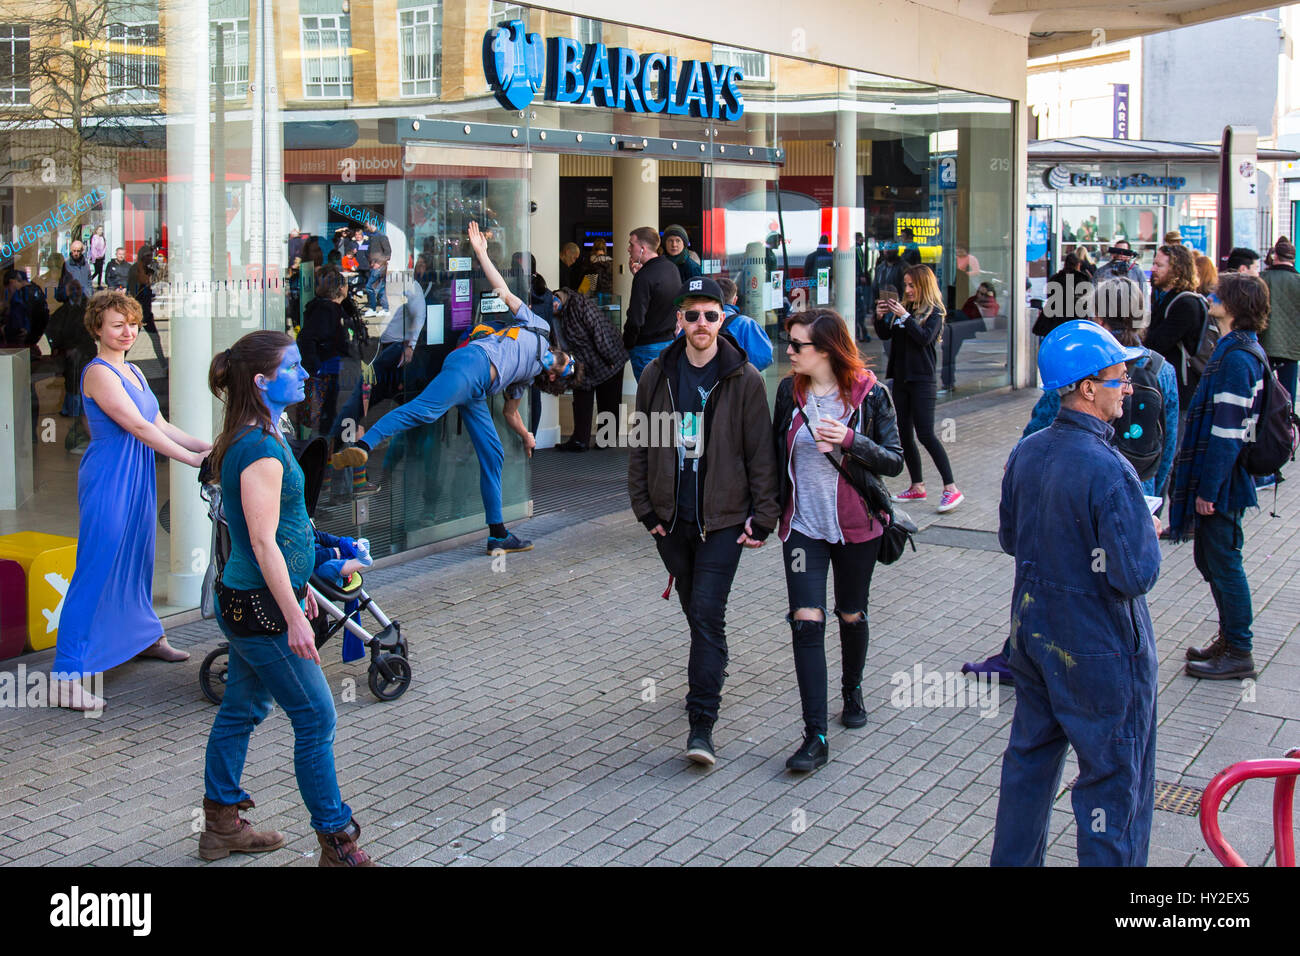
(1285, 770)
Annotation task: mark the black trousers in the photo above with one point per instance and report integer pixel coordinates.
(606, 396)
(704, 570)
(807, 561)
(914, 404)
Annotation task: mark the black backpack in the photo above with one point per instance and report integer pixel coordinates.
(1276, 434)
(1140, 430)
(1205, 342)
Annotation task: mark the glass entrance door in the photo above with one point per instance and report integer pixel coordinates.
(424, 484)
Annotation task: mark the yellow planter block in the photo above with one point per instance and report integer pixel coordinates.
(48, 561)
(47, 583)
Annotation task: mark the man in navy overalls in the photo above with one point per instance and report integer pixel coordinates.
(1082, 649)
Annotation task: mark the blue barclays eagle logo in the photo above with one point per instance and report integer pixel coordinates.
(515, 63)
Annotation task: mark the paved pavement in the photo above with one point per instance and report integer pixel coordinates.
(544, 724)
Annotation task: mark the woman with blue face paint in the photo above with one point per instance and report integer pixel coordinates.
(263, 606)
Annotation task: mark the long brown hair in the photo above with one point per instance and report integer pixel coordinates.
(1182, 268)
(927, 290)
(829, 333)
(230, 377)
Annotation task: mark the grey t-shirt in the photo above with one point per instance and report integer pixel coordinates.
(816, 503)
(516, 359)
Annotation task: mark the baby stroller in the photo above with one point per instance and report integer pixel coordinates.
(390, 672)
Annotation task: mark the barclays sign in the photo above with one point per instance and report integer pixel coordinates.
(518, 66)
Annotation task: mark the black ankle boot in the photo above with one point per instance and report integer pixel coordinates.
(813, 753)
(1211, 650)
(854, 714)
(1232, 664)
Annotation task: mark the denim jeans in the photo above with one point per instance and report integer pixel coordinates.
(643, 355)
(704, 570)
(463, 383)
(262, 670)
(1217, 552)
(377, 287)
(806, 587)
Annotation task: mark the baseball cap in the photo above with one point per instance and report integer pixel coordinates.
(699, 287)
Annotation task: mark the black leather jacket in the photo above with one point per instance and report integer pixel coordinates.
(876, 445)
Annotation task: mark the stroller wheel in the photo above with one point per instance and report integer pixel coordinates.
(212, 674)
(390, 675)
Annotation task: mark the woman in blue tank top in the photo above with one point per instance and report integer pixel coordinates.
(263, 607)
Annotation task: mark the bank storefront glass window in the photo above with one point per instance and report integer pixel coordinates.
(339, 151)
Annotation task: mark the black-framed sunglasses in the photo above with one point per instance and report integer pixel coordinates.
(795, 344)
(691, 316)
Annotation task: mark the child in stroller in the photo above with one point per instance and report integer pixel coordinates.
(336, 585)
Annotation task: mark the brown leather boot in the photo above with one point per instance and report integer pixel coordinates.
(340, 849)
(1216, 648)
(225, 832)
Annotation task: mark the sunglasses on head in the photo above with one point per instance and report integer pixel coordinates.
(691, 316)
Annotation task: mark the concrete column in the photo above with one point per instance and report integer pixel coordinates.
(189, 215)
(544, 241)
(115, 234)
(636, 203)
(845, 194)
(268, 237)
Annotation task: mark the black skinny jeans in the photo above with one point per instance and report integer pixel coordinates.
(704, 571)
(806, 563)
(914, 405)
(606, 396)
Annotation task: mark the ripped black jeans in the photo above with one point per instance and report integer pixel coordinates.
(807, 561)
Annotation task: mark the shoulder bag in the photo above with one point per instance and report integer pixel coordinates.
(899, 526)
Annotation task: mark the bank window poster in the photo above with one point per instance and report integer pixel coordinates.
(1038, 230)
(1196, 237)
(920, 235)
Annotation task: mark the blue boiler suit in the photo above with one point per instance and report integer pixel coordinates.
(1082, 648)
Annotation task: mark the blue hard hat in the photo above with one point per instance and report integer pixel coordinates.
(1074, 350)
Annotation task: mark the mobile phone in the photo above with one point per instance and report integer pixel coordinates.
(813, 413)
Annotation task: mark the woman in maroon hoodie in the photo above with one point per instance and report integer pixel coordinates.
(830, 405)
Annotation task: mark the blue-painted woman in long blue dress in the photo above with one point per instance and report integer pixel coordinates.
(108, 616)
